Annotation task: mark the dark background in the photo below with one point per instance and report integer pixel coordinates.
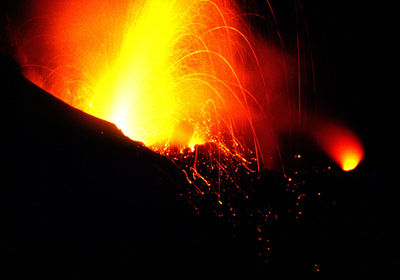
(80, 201)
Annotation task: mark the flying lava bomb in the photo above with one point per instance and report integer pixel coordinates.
(341, 144)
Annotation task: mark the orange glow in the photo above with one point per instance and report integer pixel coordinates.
(342, 145)
(167, 73)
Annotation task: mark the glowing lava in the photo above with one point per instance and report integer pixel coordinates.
(342, 145)
(165, 72)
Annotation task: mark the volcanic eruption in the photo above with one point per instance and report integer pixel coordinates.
(189, 79)
(197, 84)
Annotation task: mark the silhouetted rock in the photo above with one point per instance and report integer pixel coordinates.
(80, 200)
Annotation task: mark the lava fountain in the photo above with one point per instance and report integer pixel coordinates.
(167, 73)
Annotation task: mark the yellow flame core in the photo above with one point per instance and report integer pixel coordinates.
(351, 156)
(165, 69)
(137, 92)
(350, 162)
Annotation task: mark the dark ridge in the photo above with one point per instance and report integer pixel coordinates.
(79, 200)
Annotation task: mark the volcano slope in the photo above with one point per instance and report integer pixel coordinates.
(81, 200)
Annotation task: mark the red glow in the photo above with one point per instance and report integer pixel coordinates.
(342, 145)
